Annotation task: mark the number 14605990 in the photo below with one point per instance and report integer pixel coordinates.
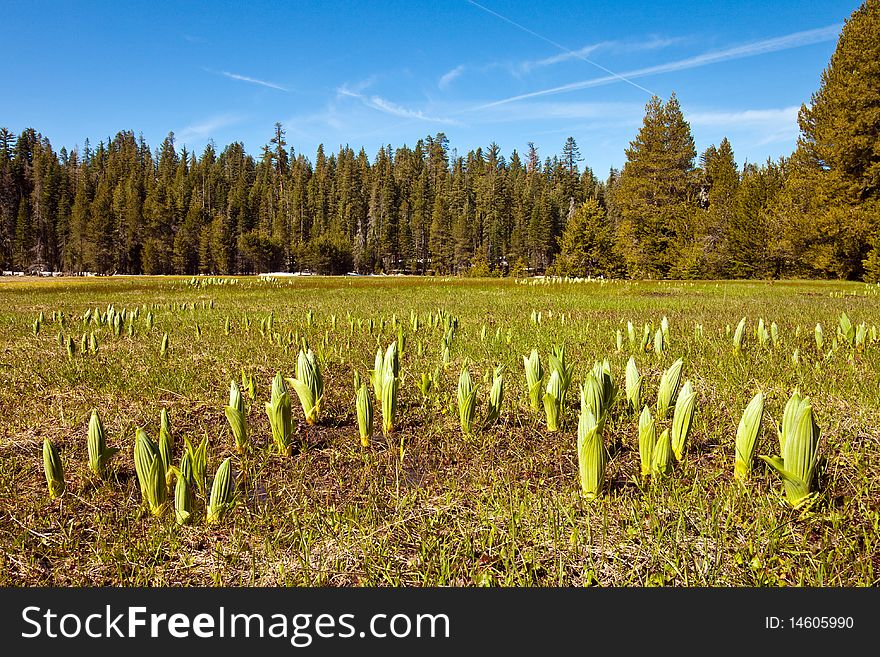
(809, 622)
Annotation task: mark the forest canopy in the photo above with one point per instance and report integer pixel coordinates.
(120, 207)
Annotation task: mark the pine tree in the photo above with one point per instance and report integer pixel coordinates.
(440, 244)
(838, 156)
(750, 239)
(586, 244)
(99, 252)
(161, 211)
(654, 196)
(718, 194)
(571, 155)
(21, 255)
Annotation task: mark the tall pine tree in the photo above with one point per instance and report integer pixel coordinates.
(655, 195)
(834, 191)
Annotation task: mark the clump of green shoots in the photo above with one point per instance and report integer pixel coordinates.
(386, 381)
(150, 470)
(496, 397)
(249, 383)
(861, 335)
(602, 374)
(655, 454)
(738, 336)
(377, 374)
(427, 383)
(309, 385)
(558, 363)
(198, 464)
(278, 410)
(467, 401)
(222, 492)
(182, 500)
(597, 393)
(364, 408)
(53, 469)
(845, 330)
(669, 382)
(592, 457)
(99, 453)
(747, 436)
(534, 378)
(682, 419)
(662, 460)
(762, 334)
(799, 446)
(237, 418)
(659, 342)
(166, 444)
(553, 401)
(647, 441)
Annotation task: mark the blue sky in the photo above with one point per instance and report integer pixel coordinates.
(374, 73)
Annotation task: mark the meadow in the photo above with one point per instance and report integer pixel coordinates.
(428, 503)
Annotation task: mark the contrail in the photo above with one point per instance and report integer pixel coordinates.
(244, 78)
(561, 47)
(785, 42)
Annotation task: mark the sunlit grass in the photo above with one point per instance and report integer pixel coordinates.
(428, 505)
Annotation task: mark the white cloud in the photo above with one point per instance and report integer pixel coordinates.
(447, 78)
(786, 42)
(650, 43)
(205, 129)
(752, 127)
(386, 106)
(565, 111)
(776, 117)
(527, 66)
(245, 78)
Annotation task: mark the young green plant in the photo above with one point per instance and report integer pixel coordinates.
(666, 392)
(150, 470)
(309, 385)
(99, 453)
(682, 419)
(278, 410)
(534, 378)
(222, 492)
(747, 437)
(237, 418)
(364, 408)
(467, 401)
(797, 463)
(592, 457)
(53, 468)
(496, 397)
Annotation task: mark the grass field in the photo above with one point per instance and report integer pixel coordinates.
(427, 505)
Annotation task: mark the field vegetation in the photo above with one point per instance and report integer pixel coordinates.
(438, 431)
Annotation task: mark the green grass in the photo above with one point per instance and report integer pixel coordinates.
(427, 505)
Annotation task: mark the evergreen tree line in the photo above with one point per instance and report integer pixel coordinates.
(122, 208)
